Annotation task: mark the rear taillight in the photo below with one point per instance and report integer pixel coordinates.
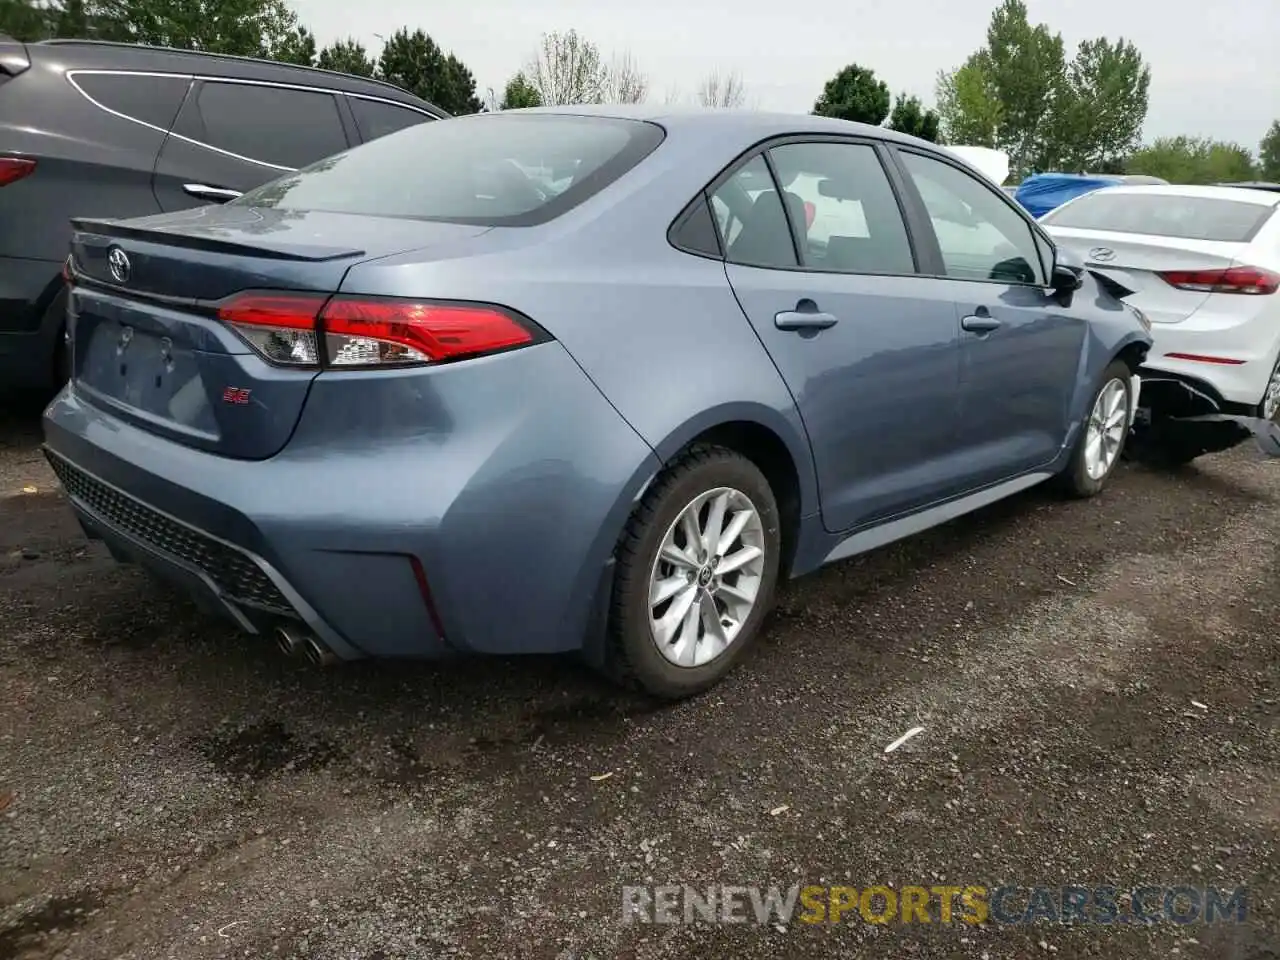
(361, 332)
(281, 327)
(1247, 280)
(14, 168)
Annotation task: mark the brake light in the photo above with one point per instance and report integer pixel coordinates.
(281, 327)
(1247, 280)
(14, 168)
(358, 332)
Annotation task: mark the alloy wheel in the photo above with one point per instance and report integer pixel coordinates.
(706, 577)
(1104, 435)
(1271, 402)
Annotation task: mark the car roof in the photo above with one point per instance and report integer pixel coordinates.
(1240, 194)
(752, 125)
(109, 55)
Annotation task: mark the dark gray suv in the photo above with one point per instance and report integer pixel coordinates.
(93, 129)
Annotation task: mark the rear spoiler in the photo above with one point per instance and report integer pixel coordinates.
(13, 56)
(265, 248)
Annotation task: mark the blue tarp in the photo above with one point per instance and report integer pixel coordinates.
(1042, 192)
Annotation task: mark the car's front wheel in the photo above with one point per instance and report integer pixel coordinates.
(1103, 435)
(696, 573)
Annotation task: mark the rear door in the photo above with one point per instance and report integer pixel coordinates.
(377, 118)
(231, 136)
(867, 347)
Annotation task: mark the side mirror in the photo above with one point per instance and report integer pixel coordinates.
(1067, 274)
(1065, 279)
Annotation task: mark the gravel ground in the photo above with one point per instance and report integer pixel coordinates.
(171, 789)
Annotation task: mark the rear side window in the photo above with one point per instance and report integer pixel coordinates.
(1163, 215)
(487, 169)
(376, 119)
(695, 231)
(150, 99)
(751, 220)
(276, 125)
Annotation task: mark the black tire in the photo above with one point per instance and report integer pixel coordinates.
(1074, 480)
(1262, 404)
(635, 659)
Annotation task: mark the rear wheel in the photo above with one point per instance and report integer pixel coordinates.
(1102, 438)
(697, 568)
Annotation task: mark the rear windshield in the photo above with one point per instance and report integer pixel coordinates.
(494, 170)
(1162, 215)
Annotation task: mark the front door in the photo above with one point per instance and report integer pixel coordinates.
(1020, 350)
(824, 270)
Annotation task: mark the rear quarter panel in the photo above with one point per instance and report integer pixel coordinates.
(657, 330)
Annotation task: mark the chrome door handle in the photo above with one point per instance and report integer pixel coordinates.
(212, 194)
(979, 324)
(803, 320)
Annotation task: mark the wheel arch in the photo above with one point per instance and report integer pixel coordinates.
(776, 446)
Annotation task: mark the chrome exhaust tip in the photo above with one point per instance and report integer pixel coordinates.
(318, 653)
(290, 641)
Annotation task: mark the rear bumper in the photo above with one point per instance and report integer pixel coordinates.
(1253, 340)
(507, 519)
(222, 578)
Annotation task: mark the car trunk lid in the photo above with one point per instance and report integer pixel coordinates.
(143, 314)
(1140, 263)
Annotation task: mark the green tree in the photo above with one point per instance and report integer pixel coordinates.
(1195, 160)
(1269, 154)
(1101, 106)
(414, 62)
(253, 28)
(909, 116)
(969, 109)
(519, 93)
(854, 94)
(1025, 66)
(25, 20)
(297, 46)
(346, 56)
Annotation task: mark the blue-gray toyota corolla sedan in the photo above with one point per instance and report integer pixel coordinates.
(574, 379)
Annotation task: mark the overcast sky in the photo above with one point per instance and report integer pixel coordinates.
(1213, 67)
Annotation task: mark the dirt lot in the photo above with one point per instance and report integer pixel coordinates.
(170, 789)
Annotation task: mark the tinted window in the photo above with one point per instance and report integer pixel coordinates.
(485, 169)
(377, 119)
(1164, 215)
(288, 128)
(153, 100)
(750, 218)
(696, 230)
(981, 236)
(843, 208)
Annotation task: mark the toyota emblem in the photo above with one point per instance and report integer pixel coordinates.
(118, 264)
(1102, 253)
